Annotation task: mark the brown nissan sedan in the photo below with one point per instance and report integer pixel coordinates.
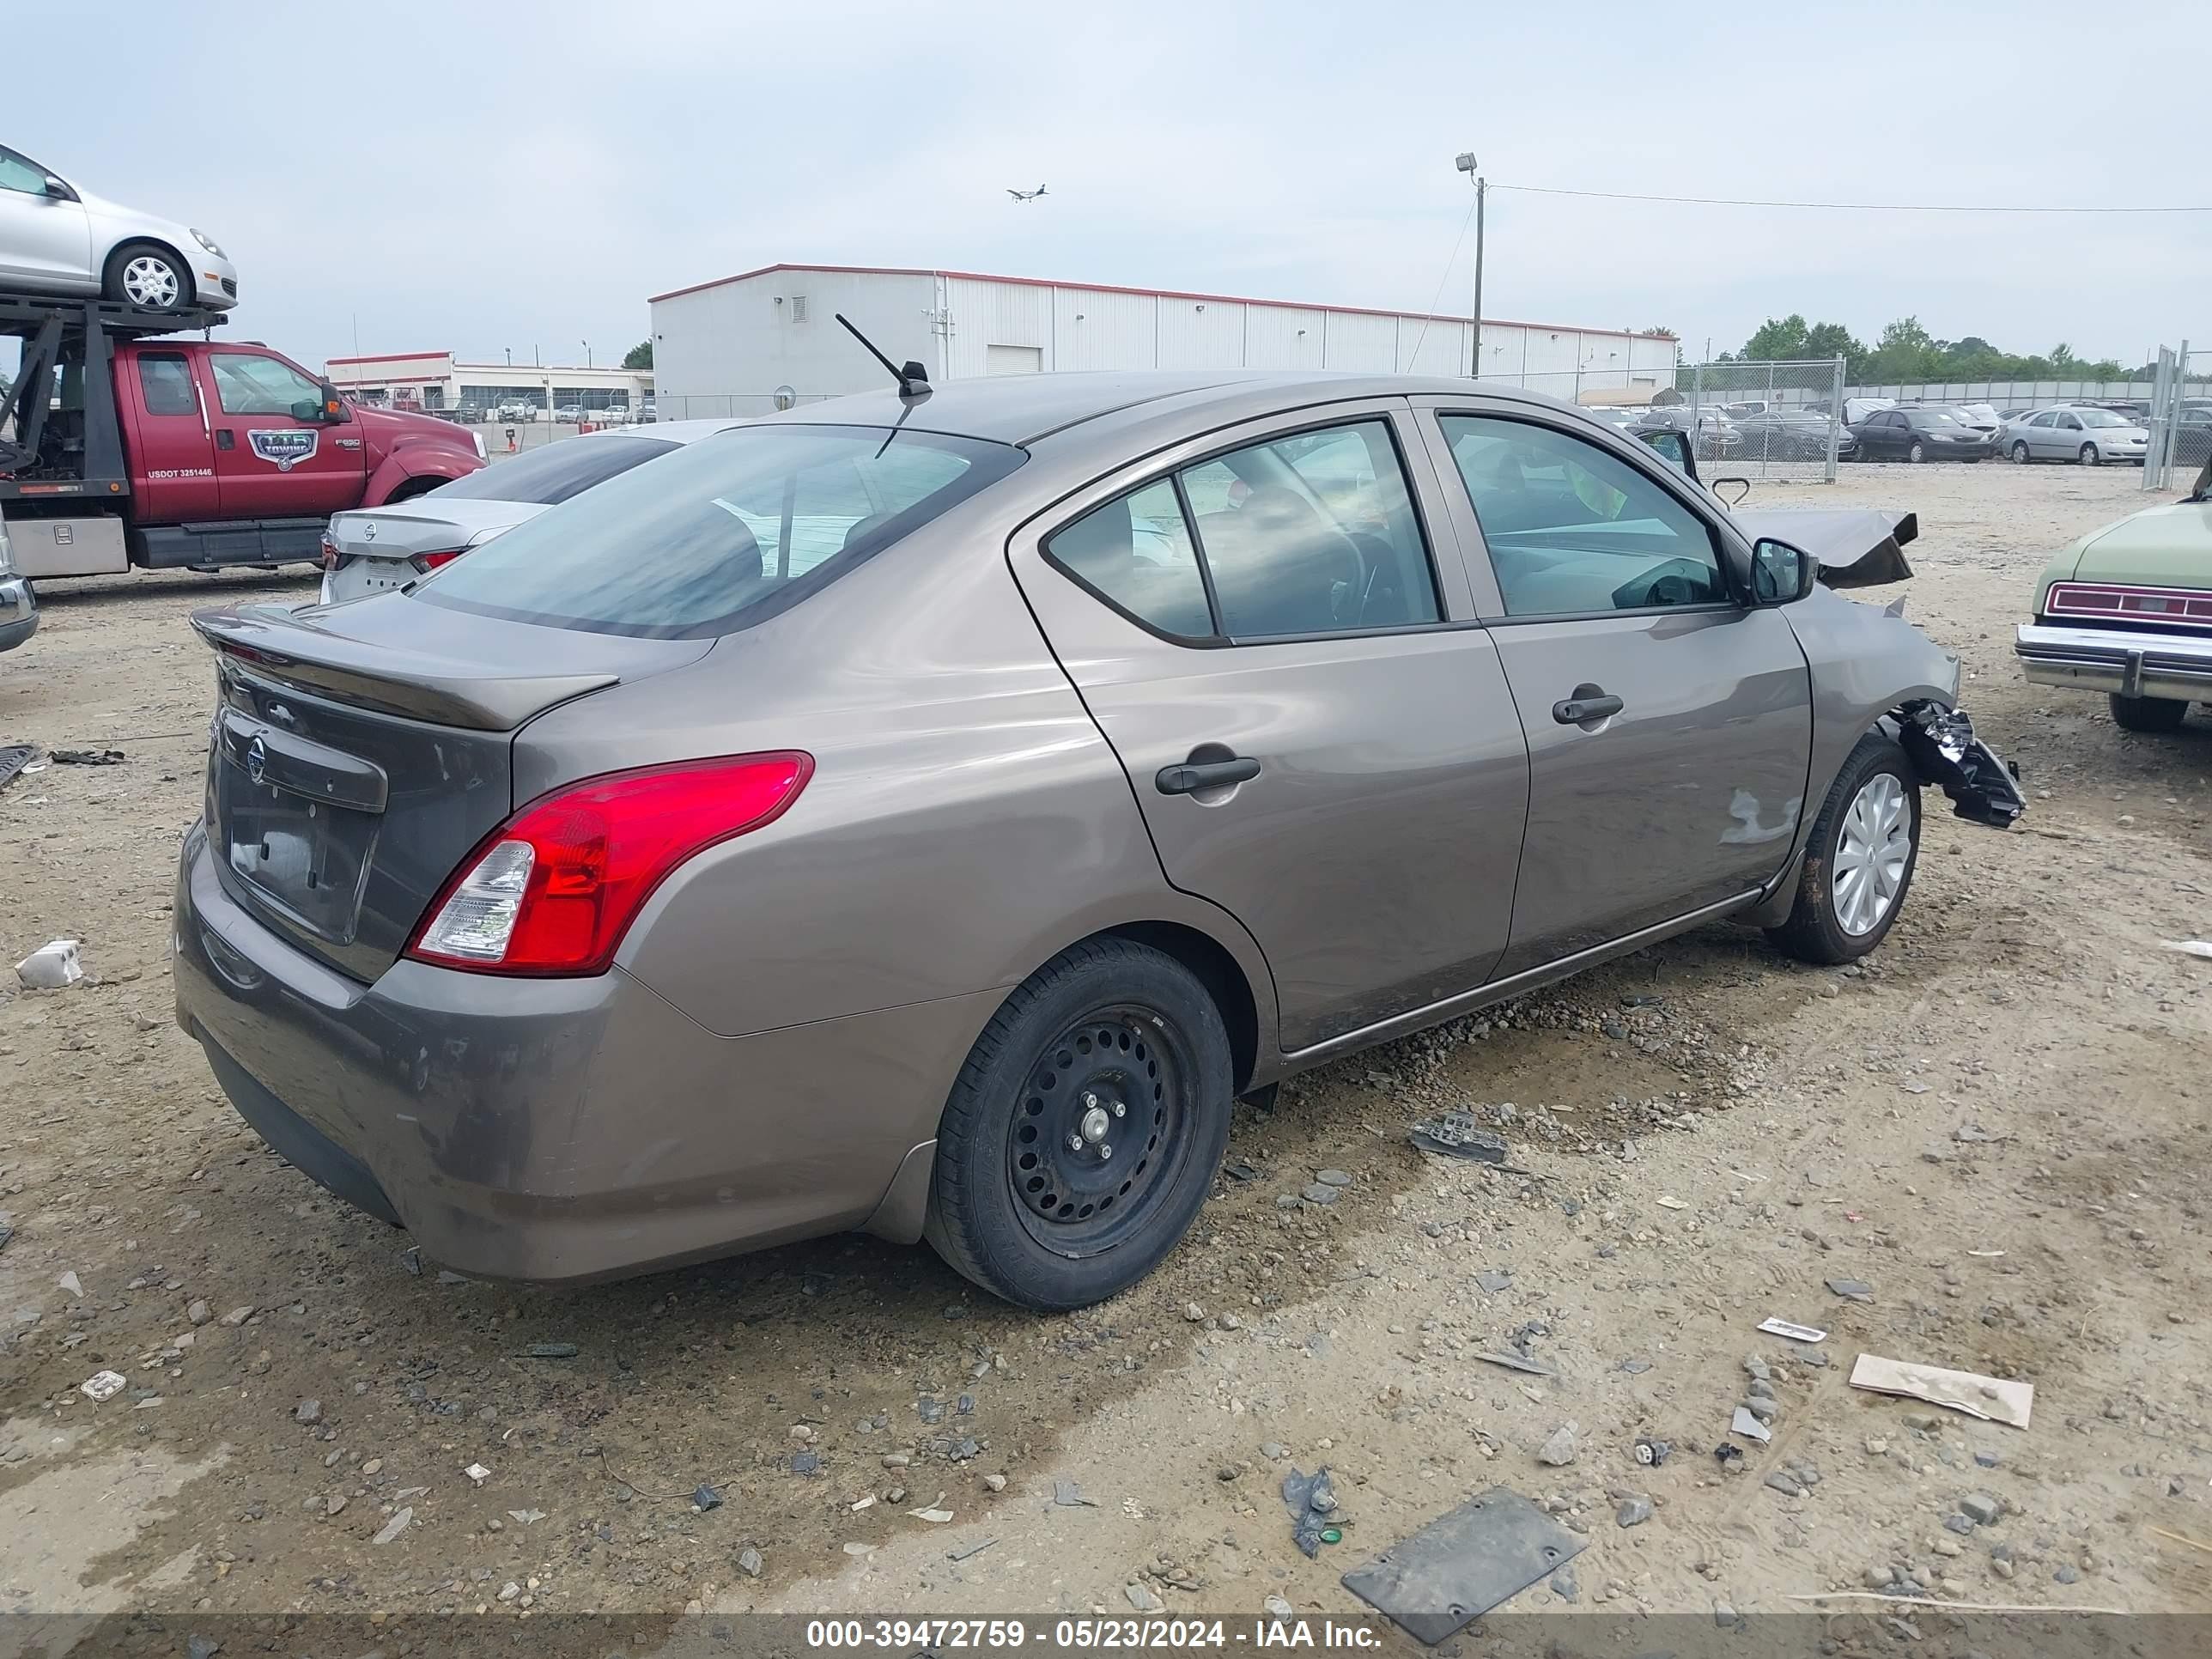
(926, 812)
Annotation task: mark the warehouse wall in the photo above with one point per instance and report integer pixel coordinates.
(724, 350)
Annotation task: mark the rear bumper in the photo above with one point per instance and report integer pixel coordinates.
(19, 611)
(556, 1130)
(2113, 660)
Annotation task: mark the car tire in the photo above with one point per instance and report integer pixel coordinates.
(1106, 1027)
(1917, 453)
(2148, 714)
(148, 275)
(2089, 457)
(1852, 881)
(2020, 454)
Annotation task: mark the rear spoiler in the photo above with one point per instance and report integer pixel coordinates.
(1858, 547)
(275, 644)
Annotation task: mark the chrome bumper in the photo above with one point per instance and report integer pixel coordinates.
(19, 611)
(2113, 660)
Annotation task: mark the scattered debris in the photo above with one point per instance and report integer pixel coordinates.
(2190, 947)
(932, 1513)
(1795, 1333)
(72, 1284)
(750, 1562)
(477, 1473)
(1455, 1135)
(1068, 1495)
(868, 1502)
(860, 1549)
(1518, 1362)
(1311, 1500)
(806, 1462)
(395, 1526)
(705, 1497)
(1493, 1280)
(1729, 1456)
(13, 757)
(54, 966)
(101, 1385)
(307, 1413)
(1994, 1399)
(1318, 1193)
(1142, 1599)
(552, 1350)
(1652, 1452)
(1973, 1134)
(1749, 1426)
(962, 1554)
(1668, 1201)
(1463, 1563)
(1855, 1290)
(1333, 1177)
(85, 756)
(525, 1518)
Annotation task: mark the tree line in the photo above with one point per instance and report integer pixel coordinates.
(1906, 352)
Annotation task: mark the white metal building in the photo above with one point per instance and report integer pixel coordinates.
(432, 380)
(738, 345)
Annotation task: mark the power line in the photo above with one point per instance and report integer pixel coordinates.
(1835, 207)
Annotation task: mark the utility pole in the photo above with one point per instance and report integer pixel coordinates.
(1467, 164)
(586, 344)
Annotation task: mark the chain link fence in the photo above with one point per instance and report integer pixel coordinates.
(2179, 418)
(1766, 419)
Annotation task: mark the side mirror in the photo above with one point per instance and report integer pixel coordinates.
(308, 409)
(1675, 446)
(334, 412)
(59, 190)
(1780, 573)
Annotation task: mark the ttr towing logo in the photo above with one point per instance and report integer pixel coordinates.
(287, 448)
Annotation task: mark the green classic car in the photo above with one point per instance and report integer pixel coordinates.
(2127, 610)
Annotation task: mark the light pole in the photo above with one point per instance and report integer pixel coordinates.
(586, 344)
(1466, 163)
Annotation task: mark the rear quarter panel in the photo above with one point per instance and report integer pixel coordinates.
(966, 820)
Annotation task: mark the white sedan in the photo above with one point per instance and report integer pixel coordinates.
(56, 238)
(380, 548)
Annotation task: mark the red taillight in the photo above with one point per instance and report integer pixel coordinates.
(426, 562)
(554, 889)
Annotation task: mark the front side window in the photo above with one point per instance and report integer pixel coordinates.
(720, 533)
(19, 172)
(166, 379)
(248, 385)
(1572, 529)
(2069, 423)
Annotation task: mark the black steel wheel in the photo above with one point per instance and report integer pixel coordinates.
(1083, 1132)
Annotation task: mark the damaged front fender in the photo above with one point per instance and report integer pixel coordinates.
(1941, 745)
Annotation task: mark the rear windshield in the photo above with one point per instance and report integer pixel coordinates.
(722, 534)
(545, 477)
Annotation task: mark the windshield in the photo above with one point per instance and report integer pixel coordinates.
(723, 533)
(2101, 417)
(545, 477)
(1935, 417)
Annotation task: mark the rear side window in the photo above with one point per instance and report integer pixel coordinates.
(550, 476)
(166, 379)
(1314, 532)
(721, 533)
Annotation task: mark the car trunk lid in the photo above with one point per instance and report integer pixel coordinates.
(2168, 546)
(356, 755)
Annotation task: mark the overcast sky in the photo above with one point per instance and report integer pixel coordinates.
(479, 176)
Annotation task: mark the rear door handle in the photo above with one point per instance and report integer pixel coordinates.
(1574, 710)
(1188, 778)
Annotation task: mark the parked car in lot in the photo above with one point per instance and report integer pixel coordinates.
(1919, 434)
(56, 238)
(2088, 436)
(928, 814)
(388, 547)
(569, 414)
(2127, 610)
(19, 606)
(1781, 433)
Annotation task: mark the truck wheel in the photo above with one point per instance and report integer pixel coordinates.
(1083, 1132)
(149, 276)
(1859, 858)
(2148, 714)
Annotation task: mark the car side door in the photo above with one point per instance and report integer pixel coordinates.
(275, 455)
(1320, 741)
(172, 440)
(2042, 433)
(2066, 436)
(45, 237)
(1669, 723)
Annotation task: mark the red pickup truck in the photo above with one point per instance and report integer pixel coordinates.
(124, 444)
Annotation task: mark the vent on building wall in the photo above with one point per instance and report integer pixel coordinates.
(798, 307)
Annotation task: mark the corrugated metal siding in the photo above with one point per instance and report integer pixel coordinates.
(1282, 336)
(1201, 334)
(717, 346)
(1427, 347)
(1095, 330)
(985, 314)
(1365, 345)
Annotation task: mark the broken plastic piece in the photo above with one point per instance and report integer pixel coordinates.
(2190, 947)
(1750, 1427)
(1463, 1563)
(1941, 745)
(51, 967)
(1795, 1333)
(101, 1385)
(1454, 1135)
(1311, 1500)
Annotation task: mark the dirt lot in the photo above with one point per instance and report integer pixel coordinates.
(1999, 1123)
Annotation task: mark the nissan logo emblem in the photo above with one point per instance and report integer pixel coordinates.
(368, 532)
(257, 760)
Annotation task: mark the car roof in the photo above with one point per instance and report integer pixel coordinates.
(1024, 408)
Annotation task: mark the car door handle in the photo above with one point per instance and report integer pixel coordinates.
(1574, 710)
(1190, 778)
(225, 438)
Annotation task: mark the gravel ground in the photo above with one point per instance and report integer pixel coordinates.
(1998, 1124)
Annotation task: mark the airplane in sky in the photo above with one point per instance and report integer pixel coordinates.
(1026, 195)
